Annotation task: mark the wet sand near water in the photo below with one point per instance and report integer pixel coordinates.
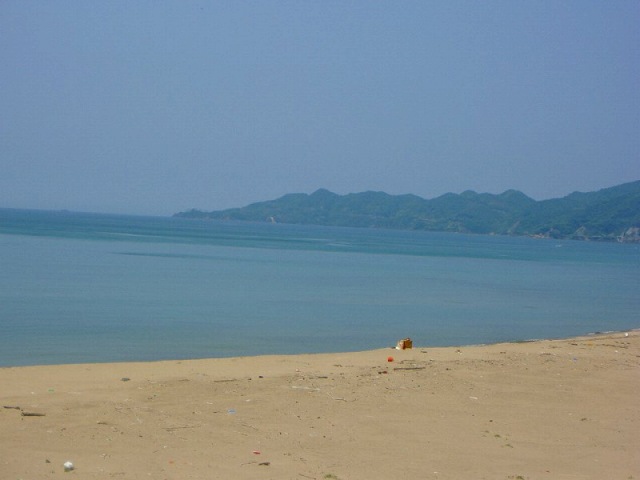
(553, 409)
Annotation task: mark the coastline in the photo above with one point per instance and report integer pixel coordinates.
(561, 408)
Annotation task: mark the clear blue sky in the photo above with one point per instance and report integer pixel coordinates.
(152, 107)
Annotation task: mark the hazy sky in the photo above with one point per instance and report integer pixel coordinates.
(153, 107)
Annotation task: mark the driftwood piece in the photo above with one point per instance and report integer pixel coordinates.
(180, 427)
(33, 414)
(409, 368)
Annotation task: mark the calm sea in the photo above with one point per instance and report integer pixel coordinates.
(101, 288)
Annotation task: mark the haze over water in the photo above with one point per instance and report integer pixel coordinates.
(100, 288)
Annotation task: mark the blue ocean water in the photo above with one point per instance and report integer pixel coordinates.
(100, 288)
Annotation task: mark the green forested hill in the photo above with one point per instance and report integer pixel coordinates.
(608, 214)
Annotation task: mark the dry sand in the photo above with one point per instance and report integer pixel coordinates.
(563, 409)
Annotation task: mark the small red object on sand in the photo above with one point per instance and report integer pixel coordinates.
(389, 359)
(256, 452)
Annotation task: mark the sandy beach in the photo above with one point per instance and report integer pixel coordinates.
(554, 409)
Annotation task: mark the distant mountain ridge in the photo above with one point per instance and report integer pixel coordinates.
(611, 214)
